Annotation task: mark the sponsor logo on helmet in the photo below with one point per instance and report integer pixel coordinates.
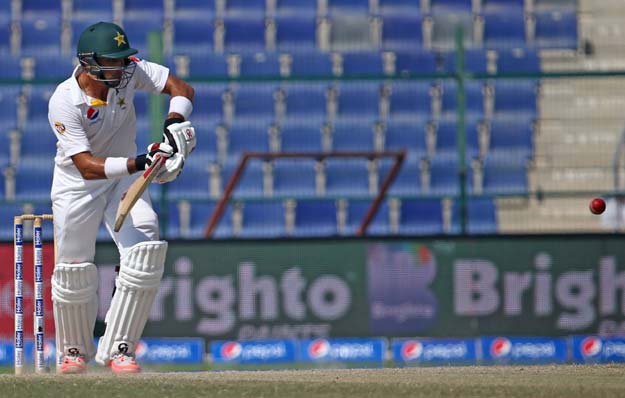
(411, 350)
(231, 350)
(591, 346)
(319, 348)
(500, 347)
(60, 127)
(92, 114)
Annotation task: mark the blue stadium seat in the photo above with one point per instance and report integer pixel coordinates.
(250, 183)
(254, 102)
(503, 30)
(32, 7)
(561, 5)
(38, 139)
(447, 136)
(518, 60)
(474, 99)
(33, 178)
(193, 182)
(263, 220)
(416, 61)
(244, 33)
(5, 37)
(53, 67)
(200, 10)
(406, 134)
(510, 6)
(399, 7)
(410, 100)
(300, 136)
(260, 64)
(143, 10)
(421, 217)
(247, 137)
(296, 7)
(556, 29)
(38, 101)
(481, 216)
(505, 174)
(362, 63)
(209, 65)
(474, 61)
(138, 32)
(200, 215)
(310, 64)
(356, 213)
(9, 210)
(295, 32)
(408, 180)
(512, 134)
(450, 6)
(352, 135)
(208, 100)
(5, 12)
(360, 100)
(315, 218)
(78, 26)
(347, 177)
(9, 96)
(515, 97)
(195, 37)
(444, 178)
(306, 100)
(41, 34)
(255, 8)
(89, 10)
(294, 178)
(402, 32)
(445, 22)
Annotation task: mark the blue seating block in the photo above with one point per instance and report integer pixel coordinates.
(294, 178)
(263, 220)
(359, 100)
(195, 36)
(315, 218)
(352, 135)
(300, 136)
(356, 213)
(402, 32)
(556, 29)
(415, 62)
(408, 180)
(407, 135)
(421, 217)
(503, 30)
(295, 32)
(244, 33)
(347, 177)
(410, 100)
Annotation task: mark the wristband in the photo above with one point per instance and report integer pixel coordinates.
(141, 161)
(116, 167)
(181, 105)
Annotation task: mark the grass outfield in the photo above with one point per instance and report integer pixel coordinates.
(569, 381)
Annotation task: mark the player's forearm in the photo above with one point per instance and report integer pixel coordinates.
(97, 168)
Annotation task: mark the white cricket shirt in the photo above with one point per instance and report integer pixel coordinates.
(106, 129)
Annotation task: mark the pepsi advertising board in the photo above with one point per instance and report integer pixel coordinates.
(7, 350)
(529, 350)
(174, 350)
(343, 350)
(253, 352)
(594, 349)
(441, 352)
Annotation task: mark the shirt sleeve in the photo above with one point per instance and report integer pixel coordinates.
(151, 77)
(65, 122)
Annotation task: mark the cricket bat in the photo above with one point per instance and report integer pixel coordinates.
(135, 190)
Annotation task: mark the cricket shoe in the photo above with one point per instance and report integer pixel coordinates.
(122, 363)
(73, 363)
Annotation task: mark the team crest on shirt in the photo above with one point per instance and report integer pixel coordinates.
(60, 127)
(93, 114)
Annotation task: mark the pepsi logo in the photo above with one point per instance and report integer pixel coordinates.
(500, 347)
(92, 114)
(591, 346)
(319, 348)
(411, 350)
(141, 349)
(231, 350)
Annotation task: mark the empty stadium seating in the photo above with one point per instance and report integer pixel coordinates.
(324, 107)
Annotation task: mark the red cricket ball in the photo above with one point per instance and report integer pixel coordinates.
(597, 206)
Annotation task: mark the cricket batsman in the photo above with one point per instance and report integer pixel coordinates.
(93, 117)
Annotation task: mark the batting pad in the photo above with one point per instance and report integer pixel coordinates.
(139, 276)
(74, 294)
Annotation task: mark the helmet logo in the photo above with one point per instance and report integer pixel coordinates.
(121, 39)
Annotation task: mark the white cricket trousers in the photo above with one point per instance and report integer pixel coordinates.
(79, 212)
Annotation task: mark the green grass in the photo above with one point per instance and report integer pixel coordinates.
(569, 381)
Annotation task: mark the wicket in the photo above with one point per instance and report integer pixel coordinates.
(38, 316)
